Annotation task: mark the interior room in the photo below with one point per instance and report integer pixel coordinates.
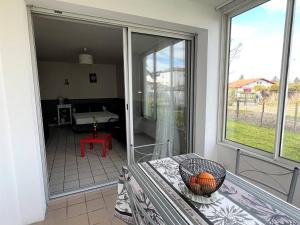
(80, 70)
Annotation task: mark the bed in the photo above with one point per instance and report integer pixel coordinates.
(90, 117)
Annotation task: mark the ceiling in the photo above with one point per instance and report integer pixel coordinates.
(214, 3)
(61, 40)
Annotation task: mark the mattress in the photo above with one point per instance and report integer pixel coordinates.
(90, 117)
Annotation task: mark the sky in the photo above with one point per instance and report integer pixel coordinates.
(260, 31)
(163, 62)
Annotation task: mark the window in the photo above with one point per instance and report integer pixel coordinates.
(258, 60)
(163, 69)
(291, 135)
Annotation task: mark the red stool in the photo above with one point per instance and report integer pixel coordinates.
(91, 140)
(98, 138)
(108, 137)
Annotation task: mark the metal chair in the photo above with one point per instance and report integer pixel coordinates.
(145, 155)
(253, 169)
(140, 216)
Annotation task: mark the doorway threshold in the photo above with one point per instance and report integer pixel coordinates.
(94, 187)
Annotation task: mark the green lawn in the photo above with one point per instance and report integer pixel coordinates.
(263, 138)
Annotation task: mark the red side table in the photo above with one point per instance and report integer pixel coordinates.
(98, 138)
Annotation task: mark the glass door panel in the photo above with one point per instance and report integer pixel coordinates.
(160, 74)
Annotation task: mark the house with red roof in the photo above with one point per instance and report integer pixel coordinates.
(247, 85)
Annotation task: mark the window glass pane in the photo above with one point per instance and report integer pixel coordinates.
(179, 81)
(149, 106)
(254, 71)
(291, 136)
(159, 91)
(163, 68)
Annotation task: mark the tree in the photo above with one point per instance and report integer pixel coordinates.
(294, 87)
(264, 92)
(297, 80)
(241, 77)
(275, 79)
(260, 88)
(274, 87)
(235, 51)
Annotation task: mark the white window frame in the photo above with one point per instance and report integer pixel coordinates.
(153, 117)
(228, 11)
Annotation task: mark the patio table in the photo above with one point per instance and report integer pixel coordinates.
(158, 187)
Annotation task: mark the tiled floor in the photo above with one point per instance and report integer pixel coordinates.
(68, 171)
(91, 208)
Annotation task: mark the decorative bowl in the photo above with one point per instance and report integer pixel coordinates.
(203, 177)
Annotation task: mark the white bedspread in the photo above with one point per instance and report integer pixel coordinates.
(88, 117)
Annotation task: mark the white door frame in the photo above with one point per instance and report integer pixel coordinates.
(38, 104)
(127, 29)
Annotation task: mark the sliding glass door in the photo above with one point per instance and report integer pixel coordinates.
(159, 95)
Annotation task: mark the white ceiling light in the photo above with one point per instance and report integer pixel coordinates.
(85, 57)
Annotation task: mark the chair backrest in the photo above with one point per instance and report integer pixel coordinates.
(139, 214)
(147, 152)
(254, 169)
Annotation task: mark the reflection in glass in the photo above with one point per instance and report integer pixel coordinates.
(149, 106)
(159, 80)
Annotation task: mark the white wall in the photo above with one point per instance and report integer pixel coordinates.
(8, 191)
(22, 182)
(53, 74)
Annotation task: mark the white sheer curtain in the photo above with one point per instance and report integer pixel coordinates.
(165, 123)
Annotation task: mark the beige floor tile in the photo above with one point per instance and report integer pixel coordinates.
(55, 221)
(111, 206)
(78, 220)
(110, 199)
(59, 213)
(100, 216)
(39, 223)
(95, 204)
(93, 195)
(58, 205)
(76, 210)
(109, 191)
(116, 221)
(56, 217)
(56, 201)
(76, 199)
